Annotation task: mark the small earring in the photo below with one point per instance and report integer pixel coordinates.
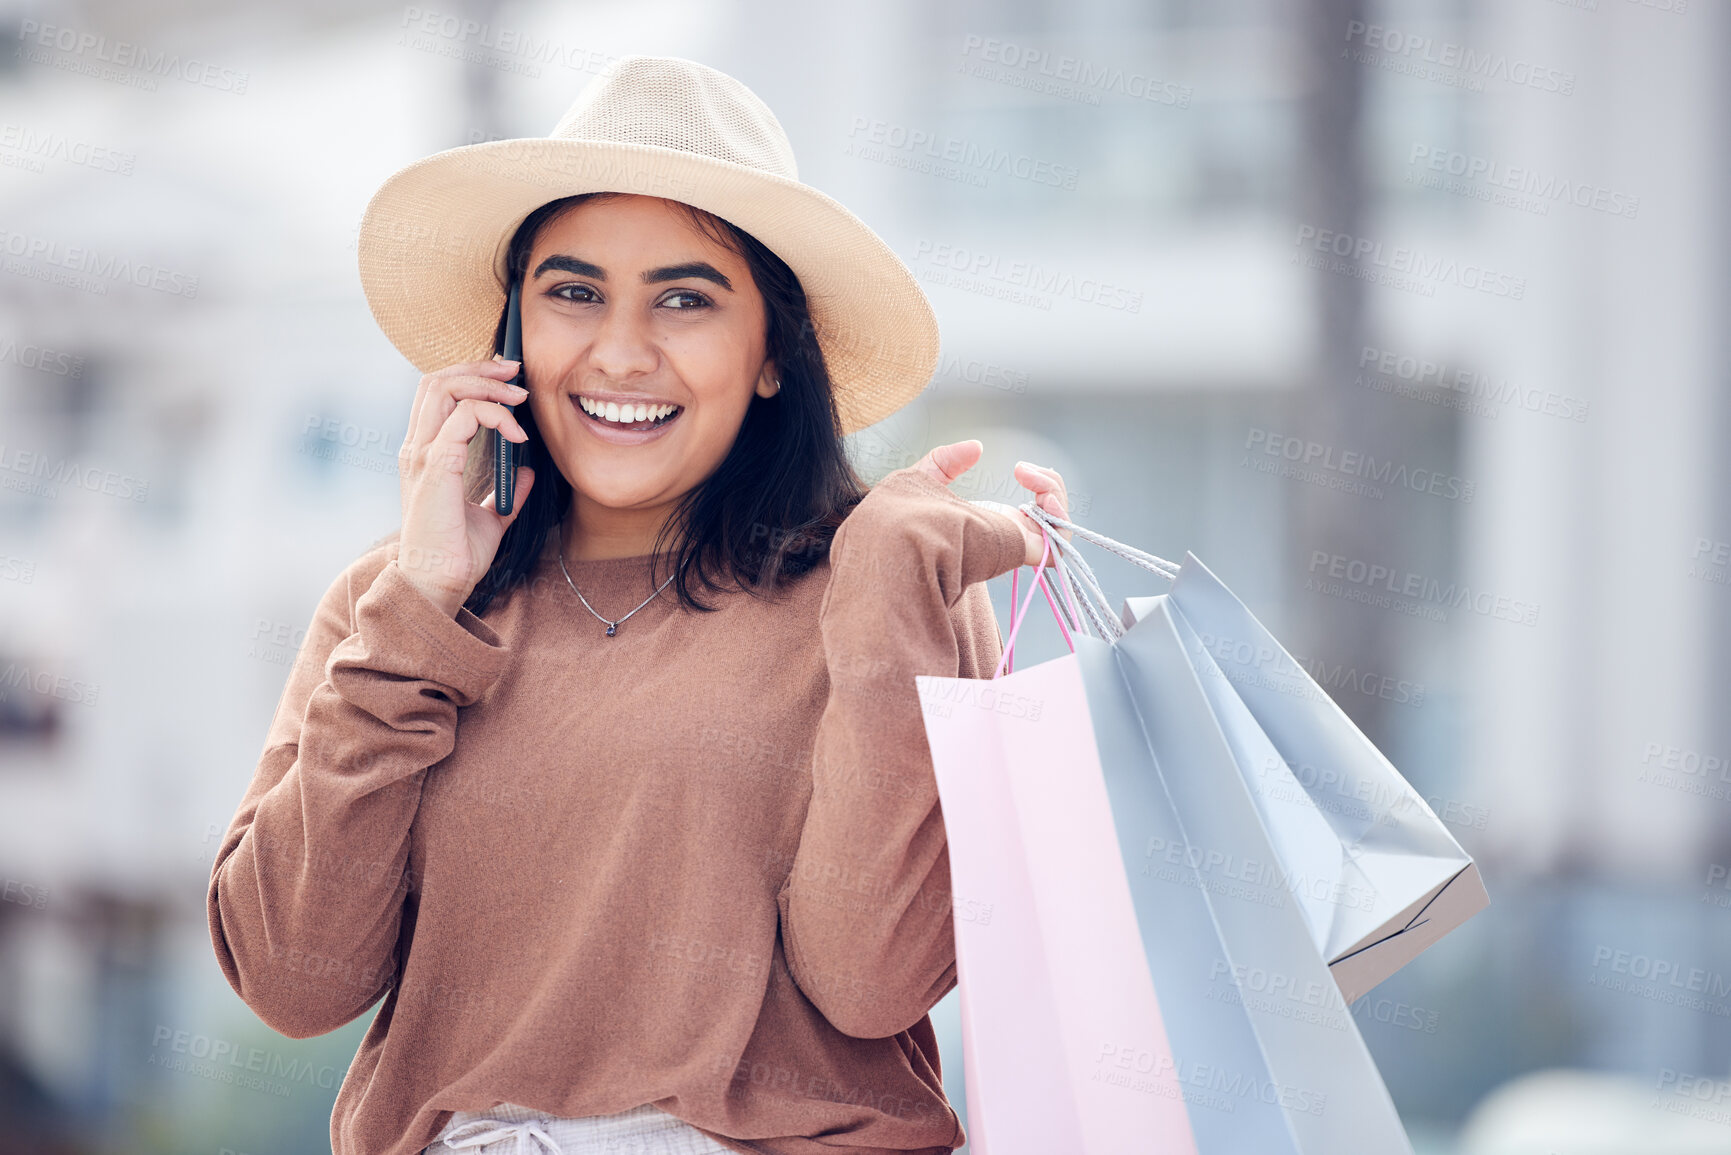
(777, 387)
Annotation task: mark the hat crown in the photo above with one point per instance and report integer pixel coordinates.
(667, 102)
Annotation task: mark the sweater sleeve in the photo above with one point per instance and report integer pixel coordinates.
(866, 906)
(306, 894)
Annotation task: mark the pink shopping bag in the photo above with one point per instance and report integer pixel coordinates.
(1064, 1048)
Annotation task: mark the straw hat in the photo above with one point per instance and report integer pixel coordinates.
(434, 237)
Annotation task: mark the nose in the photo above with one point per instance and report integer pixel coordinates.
(621, 348)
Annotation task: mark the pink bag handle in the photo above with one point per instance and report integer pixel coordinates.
(1018, 615)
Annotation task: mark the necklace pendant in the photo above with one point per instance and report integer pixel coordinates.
(611, 627)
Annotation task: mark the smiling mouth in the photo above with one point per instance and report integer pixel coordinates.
(641, 416)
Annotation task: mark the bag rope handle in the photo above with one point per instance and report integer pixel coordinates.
(1093, 608)
(1006, 661)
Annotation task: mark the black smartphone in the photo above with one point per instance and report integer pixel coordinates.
(504, 449)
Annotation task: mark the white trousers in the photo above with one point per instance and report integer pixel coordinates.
(509, 1129)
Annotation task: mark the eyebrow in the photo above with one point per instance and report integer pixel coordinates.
(702, 269)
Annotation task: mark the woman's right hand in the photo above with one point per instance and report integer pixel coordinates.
(446, 543)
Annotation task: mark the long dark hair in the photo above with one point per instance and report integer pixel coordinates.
(766, 514)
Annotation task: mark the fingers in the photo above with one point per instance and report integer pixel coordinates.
(427, 383)
(444, 395)
(525, 482)
(1043, 481)
(439, 392)
(1039, 478)
(449, 448)
(443, 407)
(945, 463)
(1048, 489)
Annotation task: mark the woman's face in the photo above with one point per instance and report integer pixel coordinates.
(625, 304)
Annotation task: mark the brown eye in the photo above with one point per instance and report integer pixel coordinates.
(698, 300)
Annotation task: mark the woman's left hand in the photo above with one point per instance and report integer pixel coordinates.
(945, 463)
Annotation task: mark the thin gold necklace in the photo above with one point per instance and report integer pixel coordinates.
(612, 626)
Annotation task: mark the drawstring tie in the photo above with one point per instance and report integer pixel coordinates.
(480, 1132)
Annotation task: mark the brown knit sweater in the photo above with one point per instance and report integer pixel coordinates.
(699, 864)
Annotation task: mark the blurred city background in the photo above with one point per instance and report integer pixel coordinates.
(1239, 249)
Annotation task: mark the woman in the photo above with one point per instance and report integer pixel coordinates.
(622, 801)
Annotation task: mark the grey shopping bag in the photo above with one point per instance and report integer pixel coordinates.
(1250, 1004)
(1379, 876)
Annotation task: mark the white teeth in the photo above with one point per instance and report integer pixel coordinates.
(624, 415)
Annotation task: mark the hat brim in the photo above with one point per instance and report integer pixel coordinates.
(433, 241)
